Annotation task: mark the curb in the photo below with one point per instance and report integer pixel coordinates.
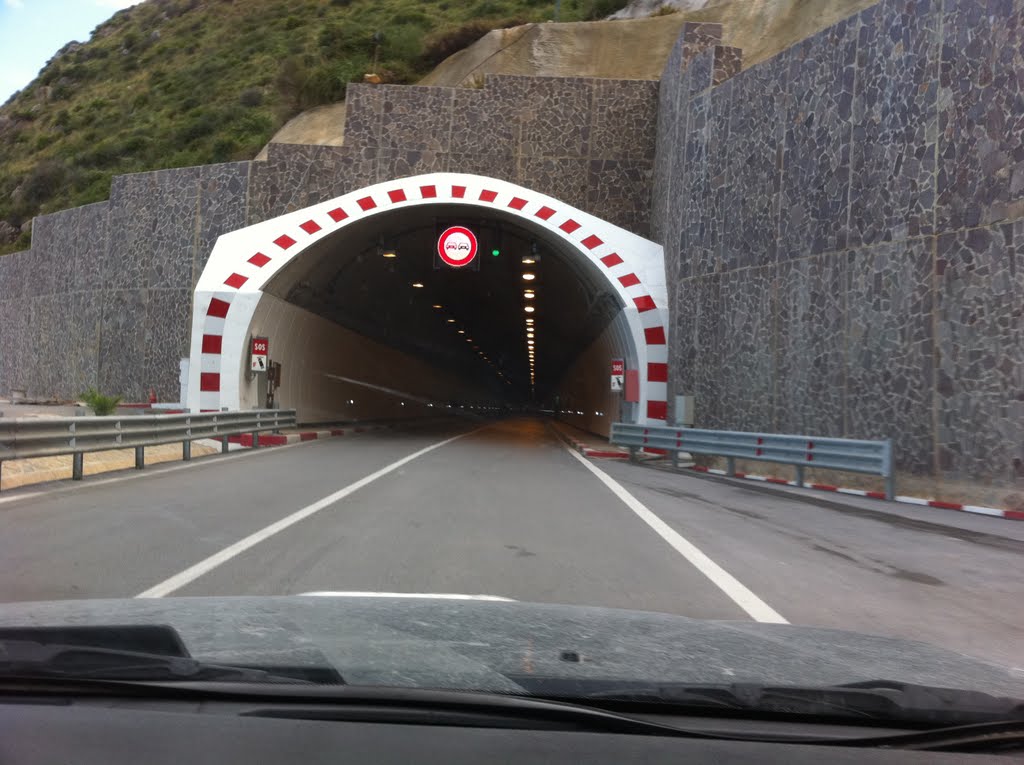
(589, 451)
(268, 439)
(1013, 515)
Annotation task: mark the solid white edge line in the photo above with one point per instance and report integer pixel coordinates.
(726, 582)
(192, 573)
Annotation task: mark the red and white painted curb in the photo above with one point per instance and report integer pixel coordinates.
(589, 451)
(1014, 515)
(269, 439)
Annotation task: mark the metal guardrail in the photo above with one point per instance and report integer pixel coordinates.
(25, 438)
(872, 457)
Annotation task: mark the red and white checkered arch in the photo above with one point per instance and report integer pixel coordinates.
(244, 261)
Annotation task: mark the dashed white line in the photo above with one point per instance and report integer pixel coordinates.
(192, 573)
(726, 582)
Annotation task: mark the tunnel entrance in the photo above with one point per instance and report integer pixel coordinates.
(367, 322)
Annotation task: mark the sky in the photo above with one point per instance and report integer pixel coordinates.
(31, 31)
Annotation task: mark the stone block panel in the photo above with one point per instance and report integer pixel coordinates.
(15, 353)
(294, 177)
(895, 123)
(554, 113)
(980, 375)
(624, 119)
(482, 122)
(122, 344)
(166, 337)
(501, 166)
(816, 161)
(617, 192)
(981, 122)
(363, 108)
(90, 245)
(889, 342)
(172, 242)
(132, 221)
(15, 273)
(416, 118)
(404, 163)
(223, 191)
(696, 246)
(753, 155)
(564, 178)
(746, 364)
(810, 310)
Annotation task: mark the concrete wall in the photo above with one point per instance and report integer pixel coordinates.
(844, 233)
(310, 349)
(104, 296)
(585, 398)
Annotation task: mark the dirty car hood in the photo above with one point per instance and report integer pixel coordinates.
(486, 645)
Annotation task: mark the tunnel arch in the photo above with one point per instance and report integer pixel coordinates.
(244, 262)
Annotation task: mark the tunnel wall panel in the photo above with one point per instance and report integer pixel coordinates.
(311, 348)
(849, 260)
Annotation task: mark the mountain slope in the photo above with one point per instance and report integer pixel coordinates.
(172, 83)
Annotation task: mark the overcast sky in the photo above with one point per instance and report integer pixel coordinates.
(31, 31)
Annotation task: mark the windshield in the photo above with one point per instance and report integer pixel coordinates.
(338, 348)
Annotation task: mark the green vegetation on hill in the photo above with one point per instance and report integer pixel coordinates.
(175, 83)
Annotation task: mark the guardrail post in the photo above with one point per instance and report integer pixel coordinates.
(675, 460)
(140, 457)
(730, 466)
(77, 466)
(224, 439)
(632, 453)
(800, 476)
(186, 445)
(890, 474)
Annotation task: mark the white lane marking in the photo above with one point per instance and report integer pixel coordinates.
(426, 595)
(192, 573)
(726, 582)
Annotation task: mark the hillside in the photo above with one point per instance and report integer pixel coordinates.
(173, 83)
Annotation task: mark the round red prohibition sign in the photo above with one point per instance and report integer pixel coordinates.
(457, 246)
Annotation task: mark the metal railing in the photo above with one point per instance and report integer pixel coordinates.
(855, 456)
(25, 438)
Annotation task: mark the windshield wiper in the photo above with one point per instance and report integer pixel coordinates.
(30, 659)
(870, 700)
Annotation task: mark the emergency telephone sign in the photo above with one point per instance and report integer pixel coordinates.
(618, 374)
(260, 351)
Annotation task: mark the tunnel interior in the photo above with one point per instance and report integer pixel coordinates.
(510, 325)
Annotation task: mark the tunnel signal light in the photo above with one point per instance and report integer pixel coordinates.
(495, 252)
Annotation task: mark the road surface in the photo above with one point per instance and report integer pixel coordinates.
(506, 509)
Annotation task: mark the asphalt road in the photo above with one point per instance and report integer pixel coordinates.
(507, 510)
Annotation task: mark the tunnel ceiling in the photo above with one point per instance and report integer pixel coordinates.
(347, 279)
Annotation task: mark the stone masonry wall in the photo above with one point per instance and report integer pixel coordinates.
(104, 295)
(844, 233)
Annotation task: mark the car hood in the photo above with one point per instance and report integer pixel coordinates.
(452, 642)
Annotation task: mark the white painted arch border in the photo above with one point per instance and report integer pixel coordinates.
(244, 261)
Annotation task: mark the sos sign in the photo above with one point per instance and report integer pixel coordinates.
(260, 350)
(457, 246)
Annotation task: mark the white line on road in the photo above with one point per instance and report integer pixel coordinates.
(726, 582)
(192, 573)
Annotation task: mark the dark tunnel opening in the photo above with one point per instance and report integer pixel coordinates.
(511, 323)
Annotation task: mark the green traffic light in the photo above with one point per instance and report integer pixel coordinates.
(495, 253)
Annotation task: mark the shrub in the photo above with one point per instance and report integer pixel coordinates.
(251, 97)
(101, 405)
(443, 44)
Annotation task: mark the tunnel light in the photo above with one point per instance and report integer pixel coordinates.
(529, 333)
(451, 321)
(351, 401)
(389, 254)
(462, 331)
(528, 277)
(436, 305)
(529, 295)
(418, 285)
(528, 261)
(529, 309)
